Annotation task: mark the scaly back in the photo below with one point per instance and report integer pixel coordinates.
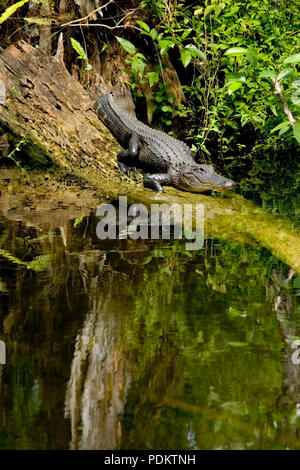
(122, 125)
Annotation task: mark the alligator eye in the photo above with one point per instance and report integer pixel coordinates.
(202, 170)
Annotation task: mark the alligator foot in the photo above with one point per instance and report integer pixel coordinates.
(126, 169)
(126, 161)
(155, 182)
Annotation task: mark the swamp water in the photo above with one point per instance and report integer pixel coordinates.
(142, 344)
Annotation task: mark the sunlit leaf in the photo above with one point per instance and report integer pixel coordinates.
(282, 125)
(194, 51)
(284, 73)
(11, 10)
(236, 77)
(127, 45)
(267, 74)
(292, 59)
(144, 26)
(236, 51)
(234, 86)
(296, 131)
(186, 57)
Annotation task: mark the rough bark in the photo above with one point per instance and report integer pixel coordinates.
(45, 104)
(285, 106)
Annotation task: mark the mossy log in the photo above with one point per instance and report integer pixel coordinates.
(49, 107)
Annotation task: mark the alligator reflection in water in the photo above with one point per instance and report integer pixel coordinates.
(130, 344)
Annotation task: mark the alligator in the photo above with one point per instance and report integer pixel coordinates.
(169, 161)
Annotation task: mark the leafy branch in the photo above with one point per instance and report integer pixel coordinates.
(81, 53)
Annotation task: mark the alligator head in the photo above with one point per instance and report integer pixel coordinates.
(202, 178)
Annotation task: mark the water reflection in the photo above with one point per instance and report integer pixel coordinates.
(130, 344)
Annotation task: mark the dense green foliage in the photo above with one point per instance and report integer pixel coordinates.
(225, 54)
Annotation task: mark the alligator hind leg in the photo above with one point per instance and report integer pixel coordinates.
(156, 181)
(126, 161)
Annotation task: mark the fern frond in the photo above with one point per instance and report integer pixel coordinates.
(81, 53)
(11, 10)
(40, 263)
(79, 49)
(7, 255)
(38, 21)
(43, 2)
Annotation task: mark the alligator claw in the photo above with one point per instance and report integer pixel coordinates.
(125, 170)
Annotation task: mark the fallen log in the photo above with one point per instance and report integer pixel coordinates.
(45, 104)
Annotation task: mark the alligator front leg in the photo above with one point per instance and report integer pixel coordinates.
(126, 162)
(128, 159)
(156, 181)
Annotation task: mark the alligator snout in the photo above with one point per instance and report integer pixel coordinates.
(204, 178)
(229, 184)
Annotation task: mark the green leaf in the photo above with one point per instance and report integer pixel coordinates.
(198, 11)
(167, 109)
(127, 45)
(284, 73)
(11, 10)
(235, 312)
(194, 51)
(267, 74)
(252, 56)
(40, 263)
(296, 97)
(236, 77)
(103, 48)
(79, 49)
(282, 125)
(283, 131)
(165, 45)
(208, 9)
(296, 282)
(144, 26)
(292, 59)
(153, 34)
(153, 78)
(186, 33)
(186, 57)
(244, 119)
(233, 87)
(78, 221)
(38, 21)
(296, 131)
(274, 110)
(236, 51)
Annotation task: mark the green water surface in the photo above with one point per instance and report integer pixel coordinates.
(144, 345)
